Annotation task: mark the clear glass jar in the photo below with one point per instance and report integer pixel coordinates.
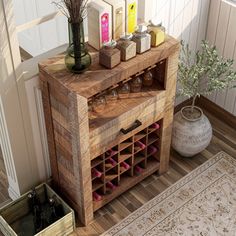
(148, 78)
(142, 39)
(126, 47)
(124, 90)
(136, 84)
(99, 103)
(111, 96)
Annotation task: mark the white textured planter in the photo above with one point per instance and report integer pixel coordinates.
(191, 136)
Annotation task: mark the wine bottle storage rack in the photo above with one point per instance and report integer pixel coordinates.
(129, 159)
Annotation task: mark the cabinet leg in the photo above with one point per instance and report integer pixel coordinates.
(165, 141)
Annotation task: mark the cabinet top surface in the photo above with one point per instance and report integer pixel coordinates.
(97, 78)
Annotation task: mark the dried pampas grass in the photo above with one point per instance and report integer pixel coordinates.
(74, 10)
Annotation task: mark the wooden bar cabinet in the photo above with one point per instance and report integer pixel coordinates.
(80, 140)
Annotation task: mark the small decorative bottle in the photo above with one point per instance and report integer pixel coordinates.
(124, 90)
(109, 55)
(112, 96)
(99, 104)
(136, 84)
(148, 78)
(142, 39)
(127, 47)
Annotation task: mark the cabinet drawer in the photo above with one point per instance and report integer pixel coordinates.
(105, 129)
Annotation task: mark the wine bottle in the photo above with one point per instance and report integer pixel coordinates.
(110, 162)
(96, 197)
(125, 165)
(111, 152)
(152, 150)
(52, 211)
(140, 144)
(138, 170)
(111, 186)
(59, 209)
(36, 210)
(96, 173)
(155, 126)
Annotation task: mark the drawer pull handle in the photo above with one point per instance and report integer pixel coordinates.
(136, 124)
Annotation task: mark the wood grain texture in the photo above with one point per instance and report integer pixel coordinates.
(49, 127)
(98, 78)
(77, 136)
(81, 156)
(224, 139)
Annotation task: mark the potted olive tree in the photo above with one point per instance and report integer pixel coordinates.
(199, 73)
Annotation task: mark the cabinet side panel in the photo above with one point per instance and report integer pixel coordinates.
(81, 156)
(63, 146)
(49, 128)
(166, 130)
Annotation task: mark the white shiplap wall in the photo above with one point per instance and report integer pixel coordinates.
(221, 32)
(183, 19)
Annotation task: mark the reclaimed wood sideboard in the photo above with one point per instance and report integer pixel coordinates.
(80, 140)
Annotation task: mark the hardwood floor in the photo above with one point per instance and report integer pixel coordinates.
(224, 139)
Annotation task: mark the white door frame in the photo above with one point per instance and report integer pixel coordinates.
(16, 134)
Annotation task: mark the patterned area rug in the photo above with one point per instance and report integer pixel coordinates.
(202, 203)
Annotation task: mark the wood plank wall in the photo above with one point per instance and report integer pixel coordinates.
(184, 19)
(221, 31)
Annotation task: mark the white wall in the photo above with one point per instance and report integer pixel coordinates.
(183, 19)
(44, 37)
(222, 33)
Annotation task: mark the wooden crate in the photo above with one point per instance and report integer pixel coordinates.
(77, 137)
(16, 215)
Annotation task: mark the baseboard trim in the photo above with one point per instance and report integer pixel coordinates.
(12, 193)
(212, 108)
(218, 111)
